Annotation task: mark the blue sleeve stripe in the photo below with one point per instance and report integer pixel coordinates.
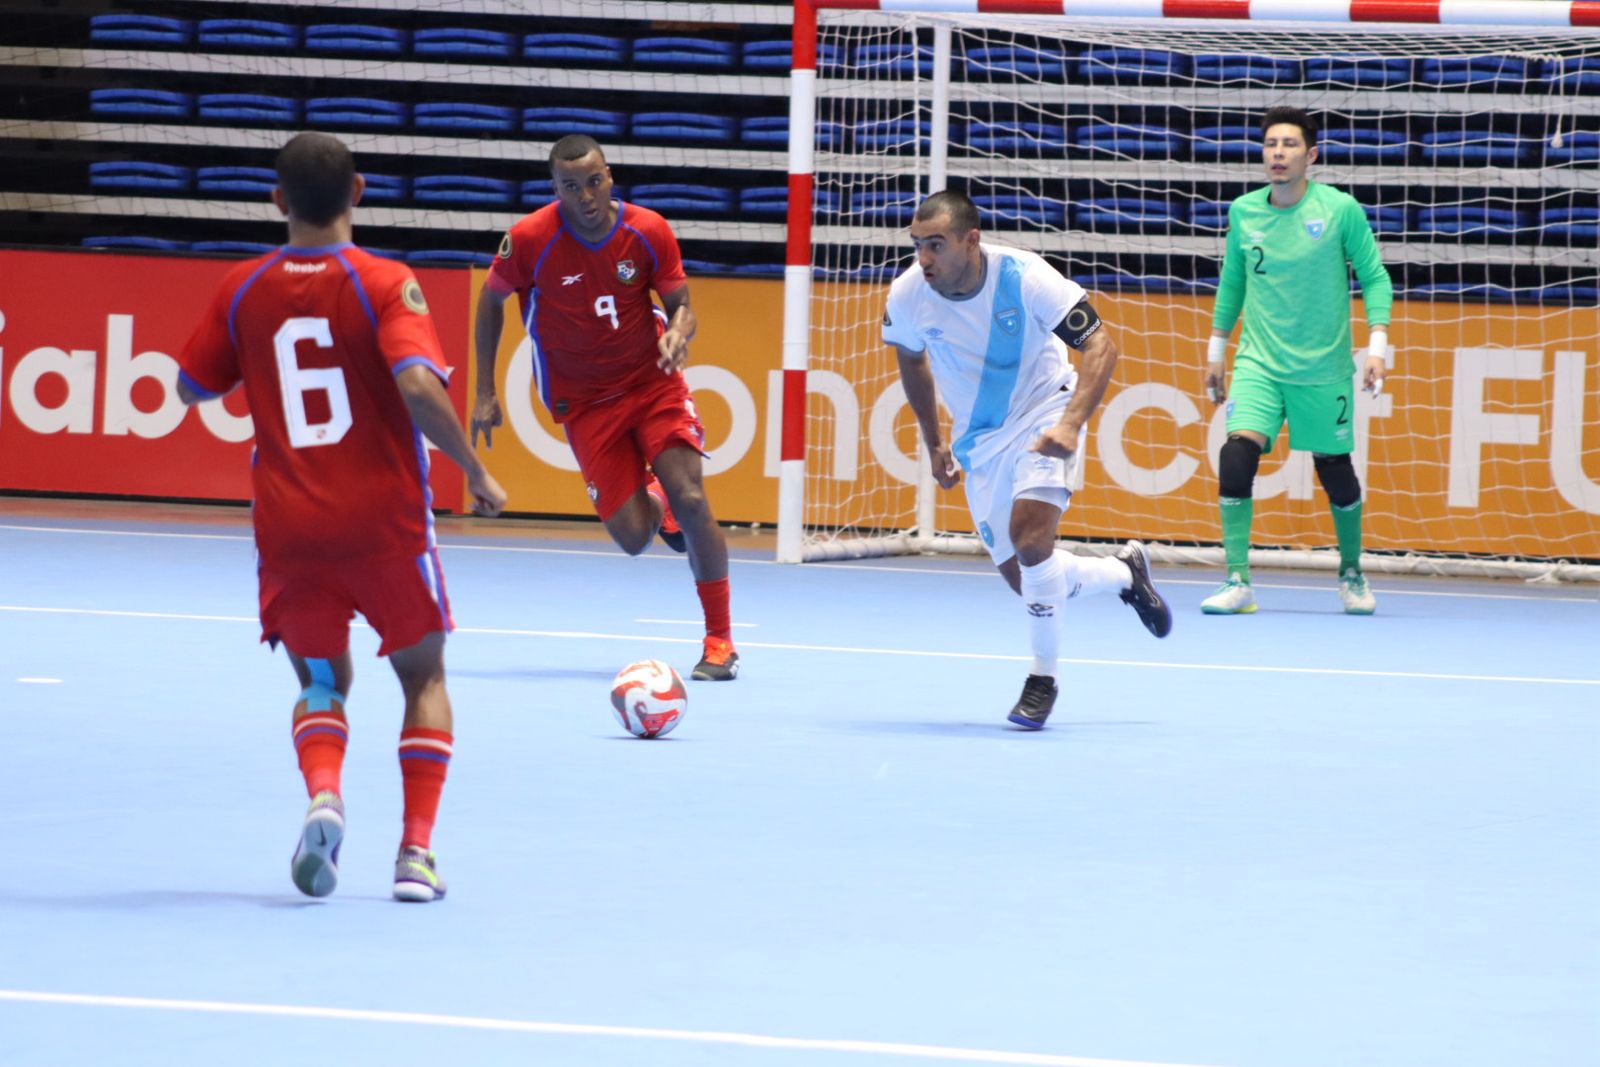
(195, 387)
(655, 260)
(361, 291)
(233, 307)
(412, 361)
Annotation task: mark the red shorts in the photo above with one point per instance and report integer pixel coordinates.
(309, 606)
(615, 439)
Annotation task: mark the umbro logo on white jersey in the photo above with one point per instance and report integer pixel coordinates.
(571, 279)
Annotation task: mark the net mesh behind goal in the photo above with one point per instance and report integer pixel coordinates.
(1113, 149)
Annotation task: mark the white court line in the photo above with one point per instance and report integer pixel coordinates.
(848, 566)
(695, 622)
(471, 1022)
(39, 681)
(987, 657)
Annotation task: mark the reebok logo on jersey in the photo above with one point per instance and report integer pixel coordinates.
(571, 279)
(1315, 228)
(304, 268)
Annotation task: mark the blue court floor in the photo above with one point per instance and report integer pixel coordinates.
(1296, 839)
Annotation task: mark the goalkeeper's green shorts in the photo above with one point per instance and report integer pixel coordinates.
(1321, 417)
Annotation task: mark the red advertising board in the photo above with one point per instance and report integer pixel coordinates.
(88, 347)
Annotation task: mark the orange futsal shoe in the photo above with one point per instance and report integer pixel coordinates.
(719, 664)
(671, 533)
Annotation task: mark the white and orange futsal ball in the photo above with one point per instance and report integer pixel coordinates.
(649, 698)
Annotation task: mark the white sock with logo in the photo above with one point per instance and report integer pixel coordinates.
(1092, 575)
(1044, 594)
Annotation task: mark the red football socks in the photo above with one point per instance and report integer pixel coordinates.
(424, 759)
(319, 740)
(714, 602)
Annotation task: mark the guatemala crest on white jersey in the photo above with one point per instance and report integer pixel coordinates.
(994, 355)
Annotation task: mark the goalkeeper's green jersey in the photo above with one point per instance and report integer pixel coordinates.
(1289, 270)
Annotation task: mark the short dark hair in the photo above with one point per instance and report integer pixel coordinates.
(962, 211)
(573, 147)
(316, 172)
(1291, 116)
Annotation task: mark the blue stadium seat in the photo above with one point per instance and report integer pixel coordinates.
(116, 241)
(767, 131)
(1575, 225)
(1355, 144)
(1121, 281)
(232, 248)
(1478, 148)
(895, 58)
(1011, 137)
(356, 112)
(685, 53)
(882, 207)
(1577, 295)
(584, 49)
(1012, 209)
(678, 196)
(1475, 70)
(772, 201)
(557, 122)
(705, 266)
(139, 29)
(367, 40)
(254, 34)
(1258, 70)
(1226, 144)
(1581, 146)
(875, 273)
(777, 56)
(142, 177)
(449, 257)
(385, 189)
(1127, 213)
(463, 189)
(1361, 72)
(1473, 292)
(1209, 215)
(1134, 66)
(247, 108)
(759, 270)
(140, 103)
(1471, 220)
(882, 135)
(1389, 220)
(463, 43)
(1047, 62)
(1575, 74)
(456, 115)
(1126, 140)
(683, 127)
(386, 253)
(254, 181)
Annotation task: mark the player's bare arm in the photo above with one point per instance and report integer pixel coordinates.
(1216, 368)
(917, 378)
(486, 327)
(434, 415)
(681, 327)
(1083, 331)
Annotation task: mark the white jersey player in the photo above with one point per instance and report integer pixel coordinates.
(991, 332)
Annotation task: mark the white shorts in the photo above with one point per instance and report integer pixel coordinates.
(1017, 474)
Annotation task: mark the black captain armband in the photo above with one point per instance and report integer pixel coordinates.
(1079, 325)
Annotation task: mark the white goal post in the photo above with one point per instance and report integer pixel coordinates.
(1109, 136)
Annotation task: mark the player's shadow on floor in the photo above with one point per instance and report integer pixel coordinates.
(156, 899)
(999, 728)
(542, 674)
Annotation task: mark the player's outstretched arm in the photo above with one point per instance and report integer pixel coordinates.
(923, 396)
(432, 412)
(681, 326)
(490, 320)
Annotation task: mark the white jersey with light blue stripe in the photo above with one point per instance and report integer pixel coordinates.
(994, 356)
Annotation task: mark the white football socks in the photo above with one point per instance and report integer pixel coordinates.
(1092, 575)
(1044, 593)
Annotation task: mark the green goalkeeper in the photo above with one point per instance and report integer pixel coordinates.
(1290, 249)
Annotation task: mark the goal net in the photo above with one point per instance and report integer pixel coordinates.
(1112, 146)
